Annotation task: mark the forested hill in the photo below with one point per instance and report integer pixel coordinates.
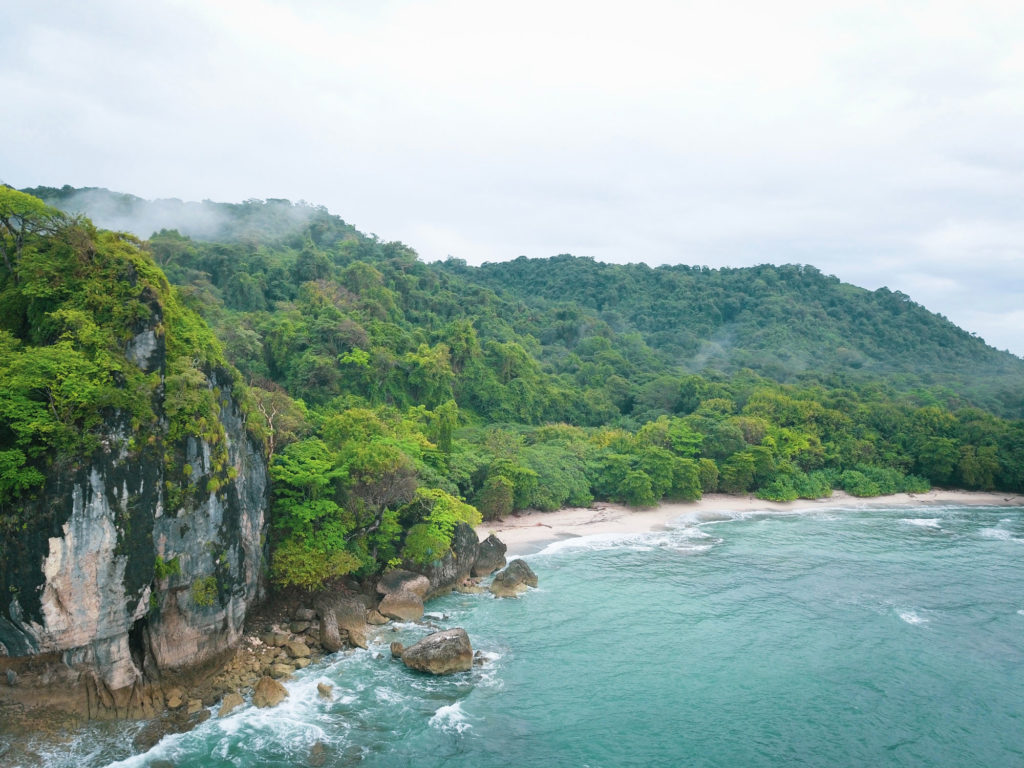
(395, 398)
(787, 322)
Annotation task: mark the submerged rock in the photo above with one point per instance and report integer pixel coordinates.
(441, 653)
(490, 556)
(514, 580)
(268, 693)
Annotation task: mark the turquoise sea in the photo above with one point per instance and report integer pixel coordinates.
(836, 637)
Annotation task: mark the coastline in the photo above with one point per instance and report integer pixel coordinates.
(529, 532)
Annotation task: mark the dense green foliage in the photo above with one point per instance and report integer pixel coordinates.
(397, 398)
(71, 299)
(790, 323)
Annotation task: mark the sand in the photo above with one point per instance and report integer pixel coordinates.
(529, 532)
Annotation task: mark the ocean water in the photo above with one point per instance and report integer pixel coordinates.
(856, 637)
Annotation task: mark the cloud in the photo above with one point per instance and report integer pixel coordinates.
(881, 142)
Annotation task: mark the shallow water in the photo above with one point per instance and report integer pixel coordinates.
(833, 637)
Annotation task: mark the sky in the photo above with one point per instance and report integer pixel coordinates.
(882, 142)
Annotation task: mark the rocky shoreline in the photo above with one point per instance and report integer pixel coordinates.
(283, 634)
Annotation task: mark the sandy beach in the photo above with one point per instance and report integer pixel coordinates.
(529, 532)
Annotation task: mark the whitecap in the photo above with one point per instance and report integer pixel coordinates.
(450, 718)
(389, 696)
(1000, 534)
(911, 617)
(923, 522)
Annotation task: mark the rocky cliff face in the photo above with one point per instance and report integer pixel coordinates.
(126, 578)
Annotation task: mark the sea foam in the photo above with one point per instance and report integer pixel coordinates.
(450, 718)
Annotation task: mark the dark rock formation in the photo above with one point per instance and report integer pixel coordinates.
(441, 653)
(490, 557)
(516, 577)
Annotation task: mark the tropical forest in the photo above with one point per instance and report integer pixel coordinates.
(394, 398)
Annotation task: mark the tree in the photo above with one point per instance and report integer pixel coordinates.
(23, 216)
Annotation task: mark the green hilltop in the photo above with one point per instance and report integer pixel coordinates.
(397, 398)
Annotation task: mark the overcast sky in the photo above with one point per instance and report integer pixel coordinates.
(881, 142)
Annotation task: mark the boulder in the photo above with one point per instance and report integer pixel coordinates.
(330, 636)
(402, 606)
(229, 704)
(304, 614)
(375, 617)
(194, 705)
(300, 663)
(326, 691)
(490, 556)
(274, 639)
(298, 627)
(175, 698)
(397, 649)
(441, 653)
(338, 612)
(281, 670)
(516, 577)
(357, 638)
(317, 755)
(398, 580)
(297, 649)
(268, 693)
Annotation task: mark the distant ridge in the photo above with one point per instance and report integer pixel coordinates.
(791, 323)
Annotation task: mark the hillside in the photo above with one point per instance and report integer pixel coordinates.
(789, 323)
(396, 398)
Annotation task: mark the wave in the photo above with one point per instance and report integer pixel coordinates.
(913, 618)
(1000, 534)
(450, 718)
(923, 522)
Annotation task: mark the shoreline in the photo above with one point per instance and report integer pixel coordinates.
(529, 532)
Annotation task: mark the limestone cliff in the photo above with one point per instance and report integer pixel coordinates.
(141, 559)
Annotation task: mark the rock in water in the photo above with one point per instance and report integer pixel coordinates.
(317, 755)
(268, 692)
(441, 653)
(403, 594)
(402, 606)
(229, 704)
(397, 649)
(357, 638)
(514, 579)
(326, 691)
(490, 557)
